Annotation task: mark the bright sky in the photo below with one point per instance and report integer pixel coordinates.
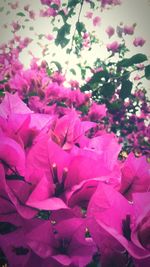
(130, 12)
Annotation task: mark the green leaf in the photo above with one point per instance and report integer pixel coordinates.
(61, 35)
(147, 72)
(84, 109)
(63, 42)
(98, 76)
(62, 14)
(55, 29)
(58, 65)
(80, 27)
(44, 214)
(108, 89)
(125, 89)
(73, 3)
(6, 228)
(73, 71)
(21, 14)
(85, 87)
(125, 75)
(92, 5)
(54, 6)
(61, 104)
(49, 71)
(1, 9)
(114, 106)
(2, 93)
(3, 81)
(40, 36)
(31, 28)
(96, 79)
(136, 59)
(68, 50)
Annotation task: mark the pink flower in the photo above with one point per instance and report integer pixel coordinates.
(49, 2)
(110, 31)
(14, 5)
(46, 2)
(26, 7)
(58, 77)
(89, 15)
(139, 41)
(110, 2)
(127, 225)
(16, 26)
(74, 84)
(128, 29)
(137, 78)
(96, 112)
(114, 46)
(135, 176)
(31, 14)
(13, 104)
(85, 35)
(97, 21)
(48, 12)
(49, 37)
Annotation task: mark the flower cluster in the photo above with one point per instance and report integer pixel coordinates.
(66, 199)
(74, 160)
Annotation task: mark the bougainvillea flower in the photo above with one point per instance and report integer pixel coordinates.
(44, 153)
(64, 242)
(141, 229)
(117, 217)
(96, 21)
(13, 104)
(89, 15)
(15, 189)
(96, 112)
(43, 197)
(12, 241)
(16, 241)
(114, 47)
(139, 41)
(43, 158)
(69, 129)
(128, 29)
(83, 167)
(23, 128)
(135, 176)
(110, 31)
(12, 155)
(71, 245)
(78, 196)
(106, 145)
(142, 263)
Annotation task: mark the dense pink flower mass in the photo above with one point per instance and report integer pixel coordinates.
(74, 160)
(60, 187)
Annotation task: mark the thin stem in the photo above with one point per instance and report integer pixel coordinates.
(72, 42)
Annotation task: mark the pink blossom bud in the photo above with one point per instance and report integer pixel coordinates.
(110, 31)
(114, 46)
(128, 30)
(139, 41)
(89, 15)
(96, 21)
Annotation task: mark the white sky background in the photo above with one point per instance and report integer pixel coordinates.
(130, 12)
